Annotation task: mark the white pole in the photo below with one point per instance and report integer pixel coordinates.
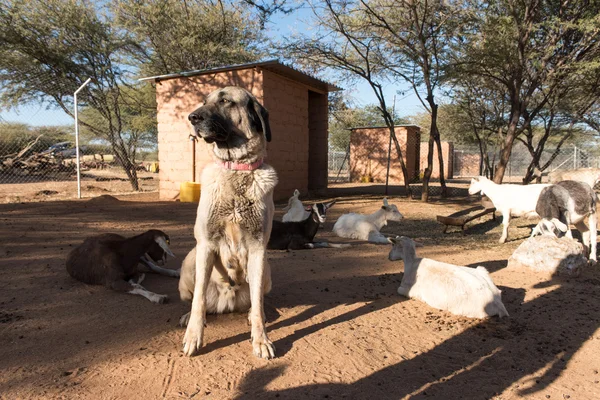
(77, 138)
(574, 157)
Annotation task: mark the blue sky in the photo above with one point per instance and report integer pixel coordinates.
(281, 25)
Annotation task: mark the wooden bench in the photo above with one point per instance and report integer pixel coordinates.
(461, 218)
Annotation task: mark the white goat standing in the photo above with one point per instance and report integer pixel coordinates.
(510, 200)
(366, 227)
(461, 290)
(296, 211)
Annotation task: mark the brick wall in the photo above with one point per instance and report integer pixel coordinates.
(318, 131)
(447, 154)
(369, 153)
(288, 104)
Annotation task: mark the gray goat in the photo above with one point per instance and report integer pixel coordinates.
(112, 260)
(565, 203)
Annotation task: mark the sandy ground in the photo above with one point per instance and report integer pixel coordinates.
(340, 328)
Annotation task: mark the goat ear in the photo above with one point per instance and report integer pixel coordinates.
(391, 240)
(308, 208)
(263, 116)
(418, 244)
(329, 205)
(385, 202)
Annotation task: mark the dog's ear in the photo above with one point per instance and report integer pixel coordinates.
(263, 116)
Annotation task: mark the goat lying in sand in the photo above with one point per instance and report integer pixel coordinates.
(460, 290)
(566, 203)
(227, 291)
(300, 235)
(510, 200)
(366, 227)
(112, 260)
(295, 210)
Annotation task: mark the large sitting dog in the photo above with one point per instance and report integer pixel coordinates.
(235, 212)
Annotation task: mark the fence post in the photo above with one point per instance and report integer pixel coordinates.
(77, 138)
(574, 157)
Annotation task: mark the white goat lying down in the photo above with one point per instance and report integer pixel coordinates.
(566, 203)
(227, 290)
(461, 290)
(366, 227)
(296, 211)
(510, 200)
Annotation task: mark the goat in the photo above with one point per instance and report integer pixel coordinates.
(591, 176)
(366, 227)
(295, 209)
(112, 260)
(566, 203)
(300, 235)
(510, 200)
(227, 291)
(461, 290)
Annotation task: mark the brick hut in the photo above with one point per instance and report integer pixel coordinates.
(297, 105)
(369, 153)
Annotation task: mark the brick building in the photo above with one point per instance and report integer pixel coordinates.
(447, 154)
(297, 105)
(369, 153)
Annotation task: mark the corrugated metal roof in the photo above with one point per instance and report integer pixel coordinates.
(270, 65)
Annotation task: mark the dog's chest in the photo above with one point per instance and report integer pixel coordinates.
(236, 206)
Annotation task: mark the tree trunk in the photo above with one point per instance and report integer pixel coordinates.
(428, 170)
(407, 179)
(511, 134)
(434, 137)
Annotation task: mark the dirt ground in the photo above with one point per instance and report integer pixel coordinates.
(340, 328)
(94, 182)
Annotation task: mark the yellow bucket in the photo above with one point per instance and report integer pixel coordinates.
(189, 192)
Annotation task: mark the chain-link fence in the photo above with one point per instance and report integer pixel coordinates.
(466, 161)
(338, 166)
(37, 162)
(366, 161)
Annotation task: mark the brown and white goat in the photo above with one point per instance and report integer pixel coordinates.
(112, 260)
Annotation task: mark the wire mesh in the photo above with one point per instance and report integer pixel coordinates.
(37, 161)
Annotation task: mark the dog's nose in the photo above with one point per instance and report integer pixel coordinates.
(195, 118)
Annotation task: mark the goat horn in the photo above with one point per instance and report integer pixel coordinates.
(163, 245)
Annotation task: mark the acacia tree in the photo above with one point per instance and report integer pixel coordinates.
(416, 36)
(530, 48)
(343, 43)
(483, 107)
(560, 119)
(50, 47)
(175, 36)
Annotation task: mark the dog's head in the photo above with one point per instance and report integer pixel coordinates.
(234, 123)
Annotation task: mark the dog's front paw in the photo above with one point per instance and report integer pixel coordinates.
(263, 348)
(192, 341)
(185, 318)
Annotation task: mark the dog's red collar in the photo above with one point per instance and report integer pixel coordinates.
(240, 166)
